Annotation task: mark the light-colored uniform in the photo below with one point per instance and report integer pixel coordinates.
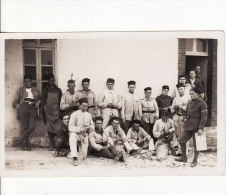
(78, 120)
(109, 96)
(186, 90)
(134, 137)
(180, 114)
(69, 99)
(114, 134)
(90, 95)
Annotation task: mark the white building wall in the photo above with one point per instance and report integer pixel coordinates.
(13, 81)
(150, 62)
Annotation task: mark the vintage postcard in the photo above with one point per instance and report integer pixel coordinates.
(113, 103)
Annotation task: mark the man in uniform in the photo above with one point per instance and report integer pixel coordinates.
(69, 100)
(198, 76)
(149, 111)
(110, 102)
(130, 106)
(195, 82)
(80, 125)
(101, 144)
(118, 136)
(187, 86)
(62, 138)
(90, 95)
(195, 123)
(164, 101)
(139, 139)
(26, 102)
(179, 108)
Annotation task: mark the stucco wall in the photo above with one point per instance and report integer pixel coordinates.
(13, 80)
(150, 62)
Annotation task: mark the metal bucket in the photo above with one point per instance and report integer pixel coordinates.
(162, 151)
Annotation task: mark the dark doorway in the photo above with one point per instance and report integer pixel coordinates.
(206, 74)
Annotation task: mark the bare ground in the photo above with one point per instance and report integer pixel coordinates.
(40, 161)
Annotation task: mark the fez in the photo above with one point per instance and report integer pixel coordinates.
(147, 88)
(131, 83)
(85, 80)
(71, 81)
(50, 76)
(165, 87)
(195, 89)
(110, 80)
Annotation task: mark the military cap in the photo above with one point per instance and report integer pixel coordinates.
(131, 82)
(71, 81)
(110, 80)
(115, 118)
(98, 118)
(196, 90)
(179, 85)
(49, 76)
(83, 100)
(136, 122)
(165, 87)
(27, 77)
(85, 80)
(147, 88)
(63, 114)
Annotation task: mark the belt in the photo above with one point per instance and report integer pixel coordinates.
(91, 107)
(153, 111)
(112, 107)
(29, 100)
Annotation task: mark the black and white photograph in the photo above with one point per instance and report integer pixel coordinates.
(113, 104)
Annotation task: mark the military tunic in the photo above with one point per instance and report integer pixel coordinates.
(163, 101)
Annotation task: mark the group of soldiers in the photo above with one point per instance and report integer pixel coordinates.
(112, 125)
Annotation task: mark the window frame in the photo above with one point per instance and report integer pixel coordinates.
(39, 47)
(194, 51)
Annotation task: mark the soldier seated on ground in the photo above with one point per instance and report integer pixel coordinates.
(62, 138)
(164, 131)
(118, 136)
(101, 144)
(139, 139)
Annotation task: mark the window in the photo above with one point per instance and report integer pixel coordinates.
(197, 47)
(39, 60)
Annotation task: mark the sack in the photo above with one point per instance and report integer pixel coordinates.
(201, 142)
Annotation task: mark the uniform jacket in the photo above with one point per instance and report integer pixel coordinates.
(160, 127)
(130, 107)
(149, 105)
(21, 94)
(90, 95)
(196, 115)
(112, 133)
(68, 98)
(163, 101)
(95, 140)
(135, 136)
(183, 101)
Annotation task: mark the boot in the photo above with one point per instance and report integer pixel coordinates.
(193, 163)
(181, 159)
(28, 144)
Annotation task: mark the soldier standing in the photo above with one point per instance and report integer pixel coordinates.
(195, 123)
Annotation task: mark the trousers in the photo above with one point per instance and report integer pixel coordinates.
(28, 117)
(107, 153)
(74, 139)
(183, 139)
(148, 127)
(61, 144)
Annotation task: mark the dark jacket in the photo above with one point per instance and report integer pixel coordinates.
(21, 94)
(196, 115)
(63, 133)
(197, 83)
(163, 101)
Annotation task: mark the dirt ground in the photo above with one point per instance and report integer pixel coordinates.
(40, 162)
